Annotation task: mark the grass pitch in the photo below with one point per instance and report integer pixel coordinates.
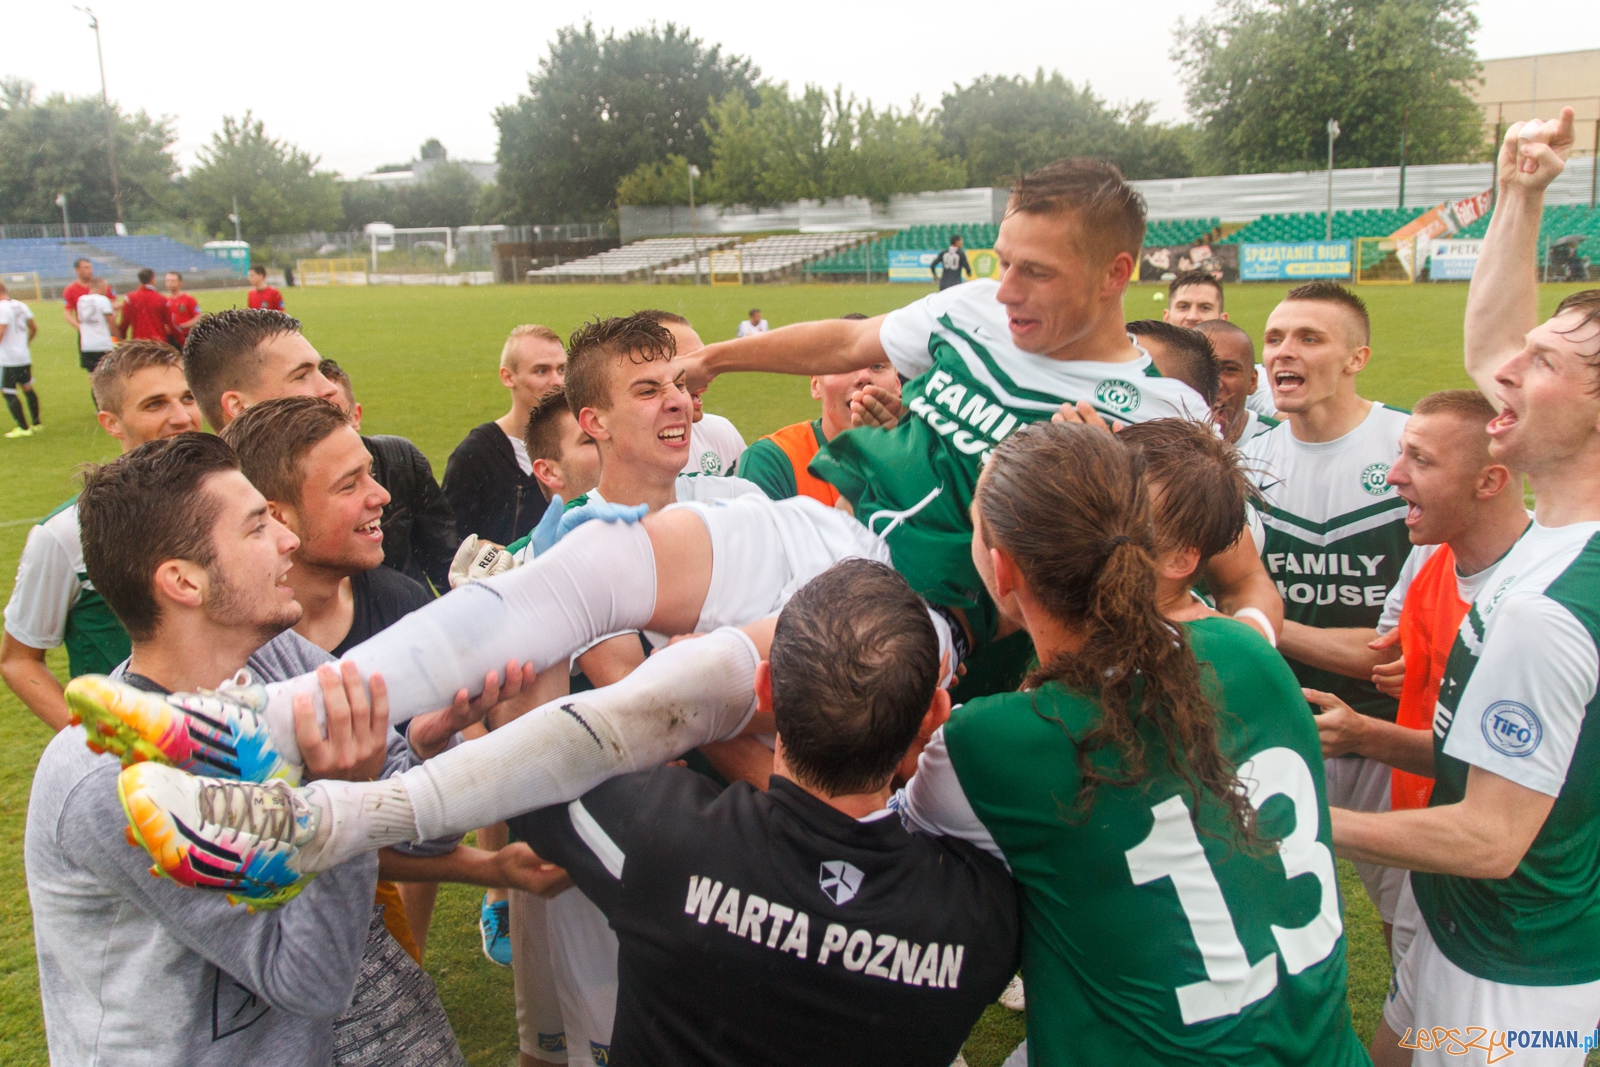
(424, 364)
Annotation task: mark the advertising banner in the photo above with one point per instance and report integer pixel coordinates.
(984, 262)
(909, 266)
(1440, 221)
(1296, 261)
(1162, 263)
(1454, 261)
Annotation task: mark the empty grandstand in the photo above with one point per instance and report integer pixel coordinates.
(1569, 237)
(770, 258)
(632, 262)
(117, 258)
(1313, 225)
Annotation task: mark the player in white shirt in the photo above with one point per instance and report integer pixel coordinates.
(1238, 376)
(715, 444)
(754, 324)
(95, 323)
(17, 331)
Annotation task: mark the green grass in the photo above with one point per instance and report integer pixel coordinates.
(423, 361)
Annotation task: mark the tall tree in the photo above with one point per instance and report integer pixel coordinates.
(279, 187)
(58, 145)
(599, 106)
(1263, 77)
(1007, 126)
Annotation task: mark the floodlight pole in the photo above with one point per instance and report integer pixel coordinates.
(694, 235)
(66, 227)
(105, 103)
(1405, 122)
(234, 218)
(1333, 131)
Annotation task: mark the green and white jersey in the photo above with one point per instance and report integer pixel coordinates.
(1149, 937)
(1254, 426)
(1517, 696)
(1335, 534)
(54, 603)
(687, 487)
(968, 387)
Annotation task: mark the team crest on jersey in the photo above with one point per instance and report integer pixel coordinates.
(1512, 729)
(840, 880)
(1375, 478)
(710, 463)
(1118, 394)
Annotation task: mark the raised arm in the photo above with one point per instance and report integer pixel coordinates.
(829, 346)
(1503, 300)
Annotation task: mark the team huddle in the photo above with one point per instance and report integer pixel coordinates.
(1058, 645)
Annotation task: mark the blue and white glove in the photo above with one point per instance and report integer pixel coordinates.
(558, 522)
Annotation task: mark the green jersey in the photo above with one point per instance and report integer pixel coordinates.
(969, 386)
(1149, 937)
(1519, 700)
(1335, 537)
(54, 603)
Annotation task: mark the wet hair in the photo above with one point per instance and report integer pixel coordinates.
(272, 438)
(1110, 212)
(1334, 293)
(855, 662)
(1195, 277)
(1467, 404)
(664, 318)
(596, 347)
(543, 432)
(1202, 482)
(222, 353)
(338, 376)
(1586, 304)
(1211, 327)
(1188, 355)
(144, 508)
(109, 380)
(1069, 505)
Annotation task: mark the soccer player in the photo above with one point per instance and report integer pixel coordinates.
(95, 321)
(1335, 528)
(1179, 352)
(1238, 379)
(779, 462)
(489, 477)
(145, 313)
(1134, 786)
(184, 309)
(566, 462)
(17, 331)
(948, 266)
(1193, 297)
(754, 324)
(261, 295)
(1503, 891)
(142, 397)
(84, 269)
(419, 530)
(242, 356)
(715, 444)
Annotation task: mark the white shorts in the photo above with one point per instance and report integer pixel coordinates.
(583, 958)
(1430, 996)
(763, 551)
(1361, 784)
(541, 1033)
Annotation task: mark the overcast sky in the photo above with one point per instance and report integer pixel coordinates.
(365, 84)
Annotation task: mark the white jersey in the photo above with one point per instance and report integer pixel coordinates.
(1467, 588)
(1335, 534)
(1261, 401)
(94, 323)
(50, 579)
(15, 316)
(746, 328)
(1255, 424)
(715, 446)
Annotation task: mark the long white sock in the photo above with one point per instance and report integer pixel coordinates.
(599, 580)
(682, 697)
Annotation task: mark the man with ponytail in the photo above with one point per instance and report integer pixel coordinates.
(1155, 789)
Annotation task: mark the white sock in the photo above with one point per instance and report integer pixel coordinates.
(600, 580)
(682, 697)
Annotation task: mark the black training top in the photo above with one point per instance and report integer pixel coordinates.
(383, 597)
(771, 929)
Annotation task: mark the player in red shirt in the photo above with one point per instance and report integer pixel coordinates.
(70, 295)
(263, 295)
(144, 312)
(184, 309)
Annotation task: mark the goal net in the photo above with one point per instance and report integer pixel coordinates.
(333, 271)
(727, 266)
(1380, 261)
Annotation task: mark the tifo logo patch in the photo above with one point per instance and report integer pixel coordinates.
(1116, 393)
(1374, 479)
(1512, 728)
(840, 880)
(710, 463)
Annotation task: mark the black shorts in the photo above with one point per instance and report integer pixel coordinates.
(11, 377)
(90, 360)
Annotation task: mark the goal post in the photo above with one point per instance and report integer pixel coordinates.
(1379, 261)
(332, 271)
(23, 282)
(727, 266)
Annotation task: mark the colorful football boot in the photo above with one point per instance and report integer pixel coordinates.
(238, 838)
(220, 733)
